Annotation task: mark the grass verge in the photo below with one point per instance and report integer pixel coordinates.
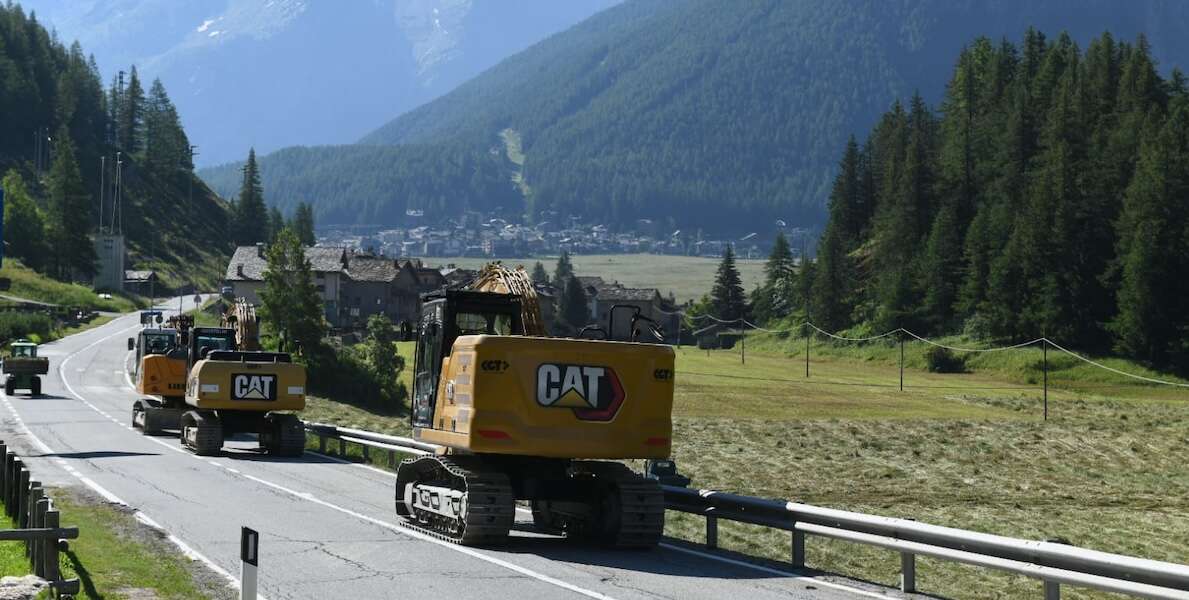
(117, 557)
(27, 283)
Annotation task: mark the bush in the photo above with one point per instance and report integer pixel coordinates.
(941, 360)
(14, 325)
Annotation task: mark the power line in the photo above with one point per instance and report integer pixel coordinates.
(921, 338)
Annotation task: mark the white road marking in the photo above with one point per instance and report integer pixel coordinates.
(310, 498)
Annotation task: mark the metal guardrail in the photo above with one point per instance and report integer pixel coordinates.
(1053, 563)
(33, 512)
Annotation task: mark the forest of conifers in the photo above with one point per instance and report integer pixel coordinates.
(1048, 195)
(58, 126)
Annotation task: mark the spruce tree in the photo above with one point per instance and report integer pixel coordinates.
(728, 300)
(131, 115)
(574, 313)
(563, 271)
(1153, 244)
(303, 224)
(276, 222)
(831, 295)
(941, 270)
(166, 147)
(774, 299)
(70, 215)
(539, 274)
(289, 300)
(251, 216)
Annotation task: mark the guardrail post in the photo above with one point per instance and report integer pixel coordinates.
(342, 447)
(1052, 590)
(38, 546)
(391, 459)
(367, 456)
(321, 444)
(798, 548)
(711, 532)
(908, 572)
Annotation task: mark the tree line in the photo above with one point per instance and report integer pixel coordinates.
(1047, 195)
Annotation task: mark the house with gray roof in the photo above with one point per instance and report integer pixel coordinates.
(245, 275)
(352, 286)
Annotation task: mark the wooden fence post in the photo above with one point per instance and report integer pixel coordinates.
(51, 548)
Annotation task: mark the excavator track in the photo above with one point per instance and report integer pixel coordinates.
(631, 508)
(456, 499)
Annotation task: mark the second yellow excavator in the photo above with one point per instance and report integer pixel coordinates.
(200, 383)
(526, 417)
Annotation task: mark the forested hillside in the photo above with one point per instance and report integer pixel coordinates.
(721, 115)
(59, 126)
(1045, 195)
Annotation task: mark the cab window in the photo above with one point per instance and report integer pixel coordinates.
(158, 344)
(23, 351)
(470, 323)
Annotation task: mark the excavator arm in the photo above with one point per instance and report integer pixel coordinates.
(498, 279)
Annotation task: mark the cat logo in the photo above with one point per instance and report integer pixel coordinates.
(593, 393)
(253, 387)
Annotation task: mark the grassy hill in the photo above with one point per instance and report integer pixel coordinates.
(723, 115)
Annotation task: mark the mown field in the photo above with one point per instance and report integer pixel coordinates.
(688, 277)
(1105, 471)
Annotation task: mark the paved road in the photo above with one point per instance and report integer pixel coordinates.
(327, 528)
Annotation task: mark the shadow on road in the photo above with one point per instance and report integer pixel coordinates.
(660, 560)
(27, 396)
(96, 454)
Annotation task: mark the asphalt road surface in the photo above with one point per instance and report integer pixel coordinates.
(327, 528)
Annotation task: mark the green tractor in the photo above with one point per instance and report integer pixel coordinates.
(23, 367)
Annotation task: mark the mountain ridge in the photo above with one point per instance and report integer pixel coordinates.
(715, 115)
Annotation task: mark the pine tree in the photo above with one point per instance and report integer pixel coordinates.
(130, 122)
(942, 268)
(563, 271)
(166, 147)
(303, 224)
(1153, 243)
(728, 300)
(386, 363)
(70, 215)
(774, 299)
(24, 226)
(539, 273)
(831, 296)
(276, 222)
(574, 313)
(251, 216)
(289, 300)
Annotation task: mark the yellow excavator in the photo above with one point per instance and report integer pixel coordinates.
(223, 389)
(527, 417)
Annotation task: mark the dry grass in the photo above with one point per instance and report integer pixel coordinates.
(1102, 472)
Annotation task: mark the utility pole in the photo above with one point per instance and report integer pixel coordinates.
(102, 189)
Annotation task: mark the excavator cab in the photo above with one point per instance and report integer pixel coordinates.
(444, 317)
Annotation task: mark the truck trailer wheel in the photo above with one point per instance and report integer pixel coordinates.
(10, 385)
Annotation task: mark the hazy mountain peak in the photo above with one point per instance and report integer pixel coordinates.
(435, 29)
